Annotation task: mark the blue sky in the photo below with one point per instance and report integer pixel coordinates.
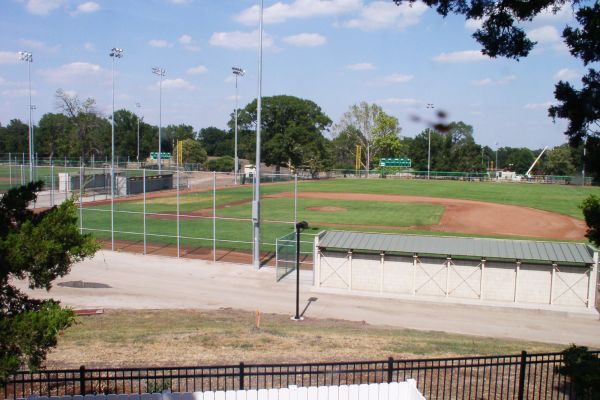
(334, 52)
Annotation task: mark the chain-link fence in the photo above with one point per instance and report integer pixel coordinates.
(173, 212)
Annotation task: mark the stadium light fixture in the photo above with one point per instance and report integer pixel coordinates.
(114, 53)
(238, 73)
(28, 58)
(161, 73)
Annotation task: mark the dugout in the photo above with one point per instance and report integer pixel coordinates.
(517, 273)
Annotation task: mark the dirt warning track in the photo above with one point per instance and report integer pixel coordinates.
(476, 217)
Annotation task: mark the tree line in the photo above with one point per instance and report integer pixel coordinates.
(296, 134)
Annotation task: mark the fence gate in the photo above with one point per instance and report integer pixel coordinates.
(285, 255)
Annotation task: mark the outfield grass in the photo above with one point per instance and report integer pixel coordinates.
(563, 199)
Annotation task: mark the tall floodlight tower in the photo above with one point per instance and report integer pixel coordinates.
(138, 105)
(114, 53)
(429, 105)
(238, 73)
(161, 73)
(256, 203)
(28, 58)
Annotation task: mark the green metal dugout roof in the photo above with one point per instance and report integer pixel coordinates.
(524, 250)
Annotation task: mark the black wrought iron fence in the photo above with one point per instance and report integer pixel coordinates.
(524, 376)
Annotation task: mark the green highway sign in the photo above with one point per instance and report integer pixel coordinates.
(163, 155)
(395, 162)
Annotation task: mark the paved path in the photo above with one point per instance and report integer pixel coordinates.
(152, 282)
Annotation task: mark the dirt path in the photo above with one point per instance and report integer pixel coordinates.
(476, 217)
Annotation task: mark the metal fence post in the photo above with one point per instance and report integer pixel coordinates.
(214, 216)
(242, 376)
(51, 183)
(82, 380)
(295, 199)
(522, 367)
(178, 224)
(112, 207)
(144, 190)
(390, 370)
(81, 198)
(9, 170)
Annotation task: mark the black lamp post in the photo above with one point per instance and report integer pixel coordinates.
(300, 225)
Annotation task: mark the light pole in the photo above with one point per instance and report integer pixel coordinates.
(238, 72)
(583, 163)
(28, 57)
(429, 105)
(114, 53)
(138, 105)
(33, 155)
(300, 225)
(256, 203)
(161, 73)
(496, 167)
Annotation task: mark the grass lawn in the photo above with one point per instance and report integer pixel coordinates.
(190, 337)
(563, 199)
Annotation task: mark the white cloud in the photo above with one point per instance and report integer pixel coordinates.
(181, 1)
(239, 40)
(460, 56)
(546, 34)
(306, 40)
(398, 78)
(360, 66)
(9, 57)
(18, 92)
(385, 14)
(281, 12)
(539, 106)
(87, 7)
(567, 74)
(473, 24)
(200, 69)
(185, 39)
(188, 43)
(32, 44)
(159, 43)
(489, 81)
(177, 83)
(43, 7)
(89, 46)
(401, 101)
(68, 72)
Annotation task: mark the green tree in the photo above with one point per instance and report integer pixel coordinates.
(15, 137)
(38, 247)
(591, 212)
(362, 117)
(386, 143)
(343, 147)
(192, 152)
(221, 164)
(217, 142)
(583, 370)
(52, 135)
(288, 125)
(172, 133)
(559, 161)
(520, 160)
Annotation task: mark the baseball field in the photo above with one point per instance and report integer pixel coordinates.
(486, 209)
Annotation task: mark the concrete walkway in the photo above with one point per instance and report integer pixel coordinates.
(153, 282)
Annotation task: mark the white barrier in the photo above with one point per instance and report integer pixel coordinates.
(374, 391)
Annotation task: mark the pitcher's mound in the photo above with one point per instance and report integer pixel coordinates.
(327, 209)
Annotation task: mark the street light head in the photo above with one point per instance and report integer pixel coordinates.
(26, 56)
(138, 105)
(429, 105)
(238, 71)
(302, 225)
(116, 52)
(158, 71)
